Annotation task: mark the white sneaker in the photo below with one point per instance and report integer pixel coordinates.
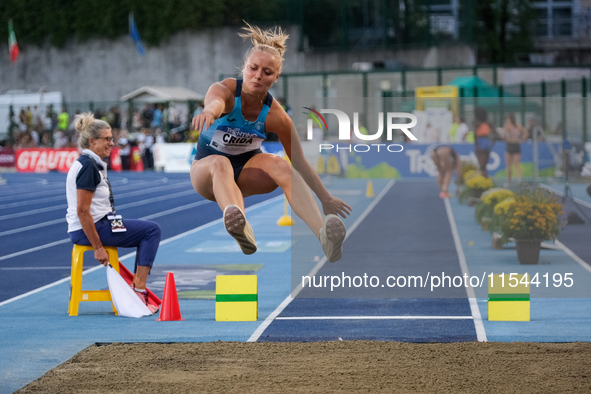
(239, 228)
(332, 235)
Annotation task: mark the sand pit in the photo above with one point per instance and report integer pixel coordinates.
(349, 366)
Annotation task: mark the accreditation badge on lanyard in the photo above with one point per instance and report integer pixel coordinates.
(117, 225)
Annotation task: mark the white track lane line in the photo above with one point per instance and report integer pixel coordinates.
(177, 209)
(577, 200)
(478, 325)
(156, 215)
(375, 318)
(572, 254)
(62, 196)
(132, 254)
(155, 199)
(18, 192)
(56, 188)
(260, 329)
(33, 211)
(36, 248)
(120, 184)
(65, 267)
(51, 244)
(32, 227)
(133, 204)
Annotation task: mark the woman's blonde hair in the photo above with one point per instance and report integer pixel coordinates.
(271, 41)
(89, 127)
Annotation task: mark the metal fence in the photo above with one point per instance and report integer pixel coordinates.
(560, 107)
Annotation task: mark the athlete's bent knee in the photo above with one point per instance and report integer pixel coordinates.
(280, 168)
(220, 164)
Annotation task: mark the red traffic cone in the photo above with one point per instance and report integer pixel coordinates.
(170, 310)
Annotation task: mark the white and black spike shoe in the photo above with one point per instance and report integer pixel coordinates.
(332, 235)
(239, 228)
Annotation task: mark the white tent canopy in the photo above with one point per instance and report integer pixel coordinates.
(160, 94)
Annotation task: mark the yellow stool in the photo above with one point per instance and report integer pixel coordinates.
(77, 295)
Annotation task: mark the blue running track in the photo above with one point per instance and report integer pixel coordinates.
(406, 230)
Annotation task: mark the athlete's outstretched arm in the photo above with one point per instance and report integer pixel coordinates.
(219, 99)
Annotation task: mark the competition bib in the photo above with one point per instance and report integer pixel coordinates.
(234, 140)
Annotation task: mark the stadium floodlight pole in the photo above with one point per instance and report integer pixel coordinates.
(584, 99)
(501, 104)
(495, 77)
(543, 120)
(325, 83)
(536, 154)
(365, 103)
(523, 94)
(11, 125)
(462, 109)
(563, 95)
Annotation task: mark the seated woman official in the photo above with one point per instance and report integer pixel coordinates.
(91, 208)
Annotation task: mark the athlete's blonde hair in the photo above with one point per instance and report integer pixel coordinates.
(271, 41)
(89, 127)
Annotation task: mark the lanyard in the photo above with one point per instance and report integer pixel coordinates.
(111, 199)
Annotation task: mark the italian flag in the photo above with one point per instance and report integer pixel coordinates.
(12, 45)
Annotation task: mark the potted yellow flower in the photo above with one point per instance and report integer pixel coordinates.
(499, 210)
(484, 212)
(530, 219)
(476, 184)
(467, 168)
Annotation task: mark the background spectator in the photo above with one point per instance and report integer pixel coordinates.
(63, 120)
(124, 150)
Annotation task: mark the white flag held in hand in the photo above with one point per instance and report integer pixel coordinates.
(126, 302)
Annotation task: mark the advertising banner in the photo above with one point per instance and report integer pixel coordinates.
(45, 159)
(7, 157)
(115, 160)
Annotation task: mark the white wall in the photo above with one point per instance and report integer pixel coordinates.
(102, 70)
(511, 76)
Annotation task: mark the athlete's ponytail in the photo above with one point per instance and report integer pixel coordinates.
(271, 40)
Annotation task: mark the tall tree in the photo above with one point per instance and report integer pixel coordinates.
(410, 22)
(503, 29)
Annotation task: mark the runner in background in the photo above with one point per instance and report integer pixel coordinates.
(483, 142)
(446, 160)
(513, 134)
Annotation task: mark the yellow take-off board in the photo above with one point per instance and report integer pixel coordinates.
(236, 298)
(509, 297)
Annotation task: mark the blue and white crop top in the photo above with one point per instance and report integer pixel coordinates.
(231, 134)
